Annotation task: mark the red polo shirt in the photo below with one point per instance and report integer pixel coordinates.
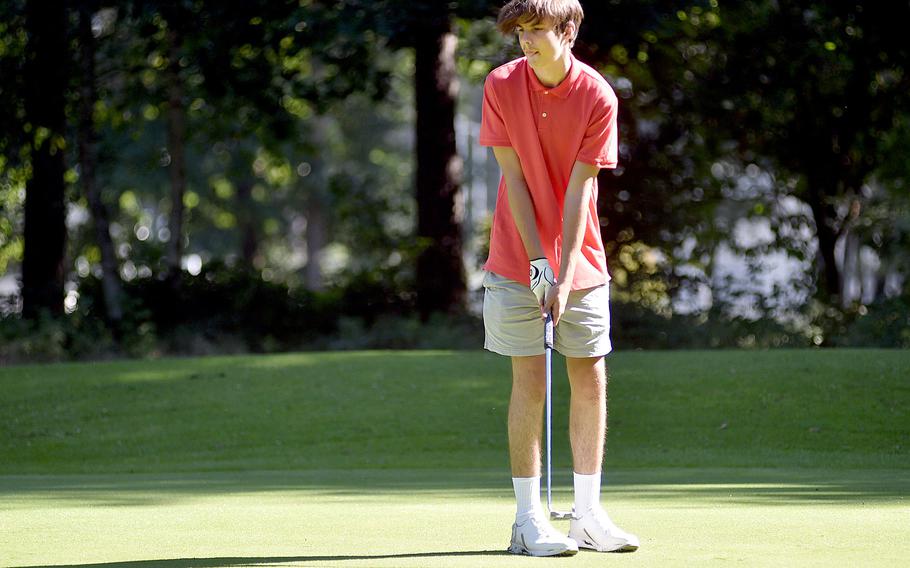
(549, 128)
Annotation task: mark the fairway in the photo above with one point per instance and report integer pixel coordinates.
(791, 458)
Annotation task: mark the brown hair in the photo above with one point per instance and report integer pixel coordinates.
(560, 12)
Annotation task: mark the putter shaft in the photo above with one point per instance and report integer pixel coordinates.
(548, 350)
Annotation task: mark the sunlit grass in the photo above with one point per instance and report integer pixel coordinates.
(448, 409)
(785, 458)
(391, 518)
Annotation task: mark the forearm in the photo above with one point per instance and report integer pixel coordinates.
(519, 197)
(523, 213)
(575, 210)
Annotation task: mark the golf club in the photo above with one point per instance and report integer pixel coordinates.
(548, 349)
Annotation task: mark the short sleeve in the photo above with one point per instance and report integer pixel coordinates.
(492, 126)
(601, 139)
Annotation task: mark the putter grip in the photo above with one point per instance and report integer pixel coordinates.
(548, 332)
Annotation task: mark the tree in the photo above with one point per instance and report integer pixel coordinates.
(88, 158)
(176, 137)
(655, 201)
(440, 268)
(427, 27)
(46, 80)
(733, 111)
(13, 138)
(814, 87)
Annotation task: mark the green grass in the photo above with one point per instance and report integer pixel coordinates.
(392, 518)
(847, 408)
(796, 458)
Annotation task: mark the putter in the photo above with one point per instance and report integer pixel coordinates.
(548, 349)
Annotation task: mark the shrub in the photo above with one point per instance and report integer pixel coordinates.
(885, 323)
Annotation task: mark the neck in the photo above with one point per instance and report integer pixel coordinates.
(554, 73)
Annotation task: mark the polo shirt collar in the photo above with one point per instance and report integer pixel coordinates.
(561, 90)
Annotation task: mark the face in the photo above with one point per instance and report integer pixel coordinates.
(541, 43)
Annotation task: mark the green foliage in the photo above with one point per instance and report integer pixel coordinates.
(13, 49)
(11, 225)
(223, 304)
(885, 323)
(408, 332)
(481, 47)
(787, 111)
(53, 339)
(303, 111)
(229, 310)
(634, 326)
(14, 168)
(319, 156)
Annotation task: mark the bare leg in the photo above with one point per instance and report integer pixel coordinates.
(532, 533)
(587, 429)
(588, 412)
(529, 390)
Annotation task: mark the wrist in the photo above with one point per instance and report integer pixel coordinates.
(567, 272)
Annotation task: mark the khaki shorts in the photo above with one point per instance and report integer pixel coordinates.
(511, 319)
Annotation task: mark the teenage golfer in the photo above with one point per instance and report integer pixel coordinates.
(551, 121)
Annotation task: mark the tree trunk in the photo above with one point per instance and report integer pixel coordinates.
(440, 268)
(176, 138)
(316, 189)
(45, 219)
(851, 271)
(829, 285)
(110, 278)
(316, 240)
(246, 220)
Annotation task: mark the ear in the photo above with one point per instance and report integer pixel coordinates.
(570, 31)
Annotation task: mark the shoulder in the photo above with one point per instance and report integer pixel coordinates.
(507, 73)
(594, 85)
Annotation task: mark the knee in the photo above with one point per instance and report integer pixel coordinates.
(592, 389)
(589, 384)
(529, 380)
(531, 390)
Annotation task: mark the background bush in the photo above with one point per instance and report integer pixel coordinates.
(228, 310)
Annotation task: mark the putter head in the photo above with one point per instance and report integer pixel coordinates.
(561, 515)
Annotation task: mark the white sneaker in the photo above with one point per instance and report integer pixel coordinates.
(537, 537)
(594, 529)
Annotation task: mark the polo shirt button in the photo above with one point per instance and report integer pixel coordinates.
(544, 115)
(546, 92)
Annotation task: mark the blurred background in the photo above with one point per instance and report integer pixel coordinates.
(192, 177)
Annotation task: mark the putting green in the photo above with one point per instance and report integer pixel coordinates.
(389, 518)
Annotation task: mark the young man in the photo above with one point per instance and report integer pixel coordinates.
(551, 121)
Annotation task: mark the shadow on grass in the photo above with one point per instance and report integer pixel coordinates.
(791, 486)
(265, 560)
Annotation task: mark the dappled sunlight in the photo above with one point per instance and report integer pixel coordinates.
(439, 409)
(435, 517)
(177, 368)
(768, 493)
(295, 359)
(684, 486)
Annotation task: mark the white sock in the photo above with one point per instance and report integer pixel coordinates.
(587, 492)
(527, 496)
